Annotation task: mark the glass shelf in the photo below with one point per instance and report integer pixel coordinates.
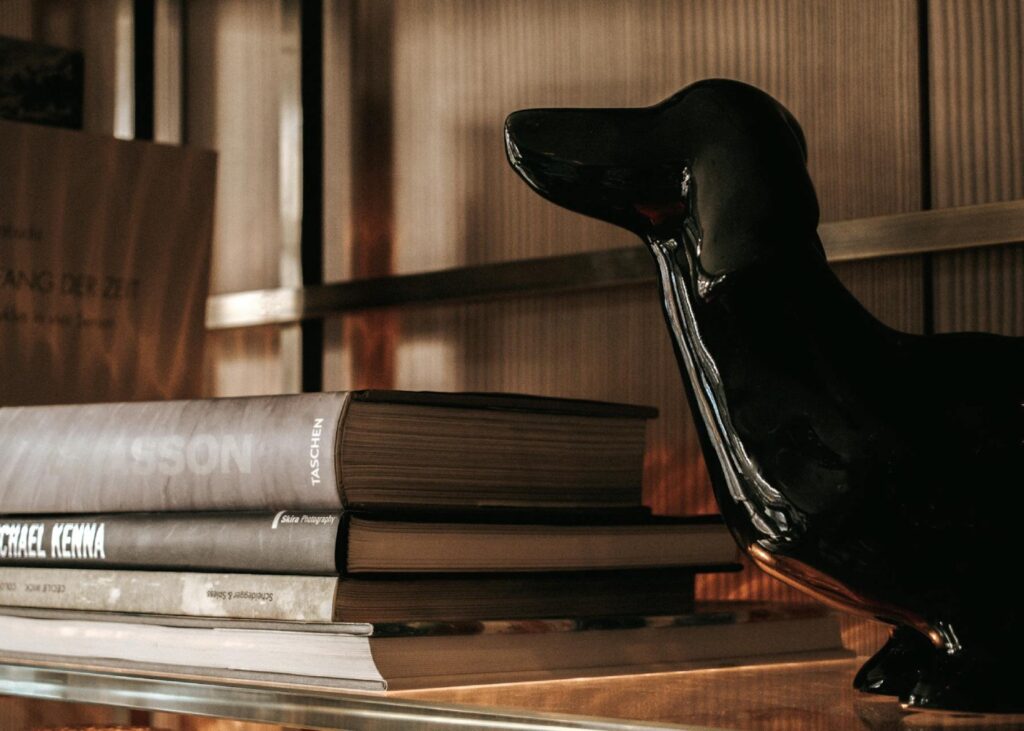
(262, 704)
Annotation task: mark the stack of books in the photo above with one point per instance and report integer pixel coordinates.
(362, 540)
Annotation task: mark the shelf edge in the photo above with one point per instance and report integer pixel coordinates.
(902, 234)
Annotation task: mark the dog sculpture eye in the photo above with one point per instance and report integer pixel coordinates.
(661, 213)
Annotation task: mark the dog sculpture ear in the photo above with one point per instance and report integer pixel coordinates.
(752, 197)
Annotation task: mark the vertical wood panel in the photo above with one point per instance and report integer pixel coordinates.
(236, 68)
(891, 289)
(168, 80)
(339, 32)
(977, 94)
(847, 70)
(103, 31)
(372, 336)
(18, 714)
(16, 18)
(338, 190)
(244, 362)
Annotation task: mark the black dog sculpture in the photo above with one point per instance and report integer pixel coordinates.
(877, 470)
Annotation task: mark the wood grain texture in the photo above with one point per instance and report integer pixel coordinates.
(236, 70)
(168, 79)
(243, 362)
(339, 37)
(372, 335)
(16, 18)
(891, 289)
(177, 722)
(847, 70)
(19, 714)
(460, 68)
(794, 697)
(977, 110)
(102, 30)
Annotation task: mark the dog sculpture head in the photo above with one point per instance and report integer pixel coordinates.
(719, 160)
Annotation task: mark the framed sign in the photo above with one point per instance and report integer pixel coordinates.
(104, 266)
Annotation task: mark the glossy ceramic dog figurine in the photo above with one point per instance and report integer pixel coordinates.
(880, 471)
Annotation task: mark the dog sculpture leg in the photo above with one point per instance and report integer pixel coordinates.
(896, 668)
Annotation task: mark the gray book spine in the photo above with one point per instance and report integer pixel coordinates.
(286, 542)
(260, 453)
(239, 596)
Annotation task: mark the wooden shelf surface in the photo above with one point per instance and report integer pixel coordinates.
(806, 696)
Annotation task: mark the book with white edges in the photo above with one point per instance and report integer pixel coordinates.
(322, 451)
(430, 654)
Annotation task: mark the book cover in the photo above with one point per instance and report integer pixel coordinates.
(425, 654)
(329, 542)
(311, 451)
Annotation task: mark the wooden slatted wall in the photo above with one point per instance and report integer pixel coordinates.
(415, 178)
(977, 114)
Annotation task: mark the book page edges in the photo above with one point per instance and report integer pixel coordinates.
(339, 431)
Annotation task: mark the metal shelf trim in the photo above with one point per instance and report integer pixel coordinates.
(278, 706)
(865, 238)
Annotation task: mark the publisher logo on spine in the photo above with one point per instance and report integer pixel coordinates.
(314, 451)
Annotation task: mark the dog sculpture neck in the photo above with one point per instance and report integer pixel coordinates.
(821, 427)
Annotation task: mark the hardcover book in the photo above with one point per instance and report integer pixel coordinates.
(395, 598)
(415, 655)
(104, 266)
(318, 451)
(326, 542)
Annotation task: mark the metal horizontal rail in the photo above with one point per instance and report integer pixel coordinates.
(267, 704)
(865, 238)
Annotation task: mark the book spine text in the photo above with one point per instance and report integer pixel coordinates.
(285, 542)
(257, 453)
(240, 596)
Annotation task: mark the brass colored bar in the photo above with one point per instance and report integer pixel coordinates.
(866, 238)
